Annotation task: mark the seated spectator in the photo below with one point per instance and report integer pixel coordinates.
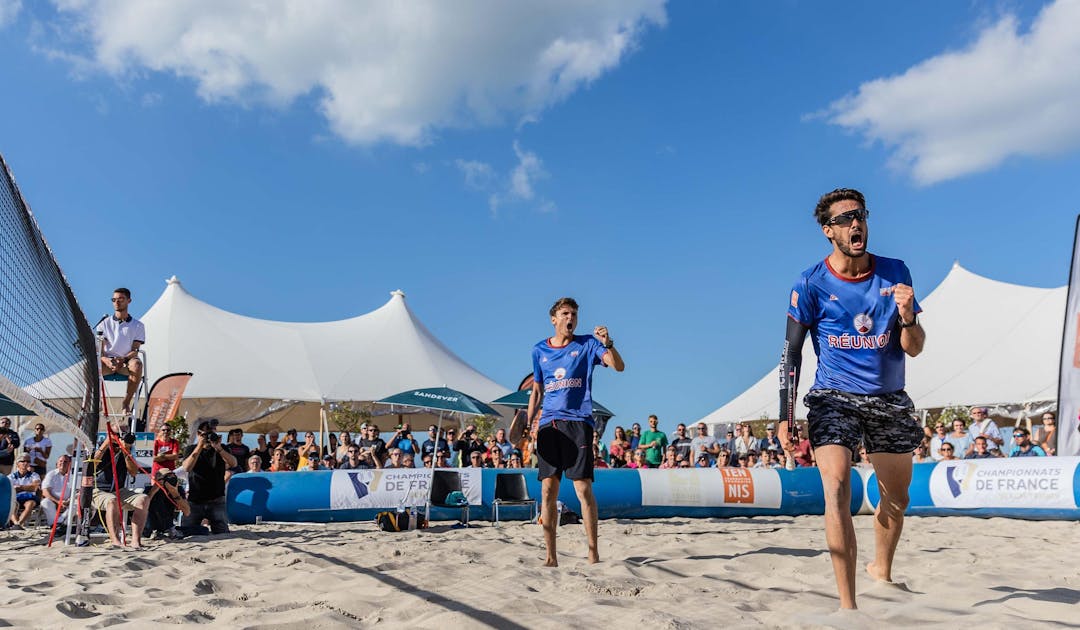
(393, 459)
(240, 452)
(476, 460)
(948, 451)
(598, 460)
(107, 489)
(683, 463)
(292, 459)
(772, 458)
(702, 461)
(670, 457)
(600, 447)
(497, 457)
(640, 459)
(982, 424)
(515, 459)
(725, 457)
(55, 491)
(39, 448)
(310, 463)
(308, 449)
(165, 500)
(503, 444)
(408, 460)
(254, 464)
(351, 460)
(26, 483)
(743, 460)
(277, 460)
(1024, 447)
(753, 459)
(980, 450)
(442, 458)
(921, 454)
(329, 462)
(863, 458)
(427, 460)
(804, 453)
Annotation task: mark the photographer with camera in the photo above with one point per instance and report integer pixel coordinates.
(468, 444)
(207, 462)
(404, 440)
(107, 487)
(165, 500)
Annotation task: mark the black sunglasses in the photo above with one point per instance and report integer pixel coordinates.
(845, 218)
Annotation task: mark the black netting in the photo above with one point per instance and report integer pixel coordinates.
(46, 344)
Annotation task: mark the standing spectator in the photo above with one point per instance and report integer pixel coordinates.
(770, 439)
(654, 442)
(206, 462)
(55, 489)
(254, 464)
(238, 450)
(263, 451)
(273, 442)
(451, 442)
(166, 450)
(704, 443)
(344, 442)
(619, 448)
(434, 443)
(939, 438)
(804, 453)
(503, 443)
(108, 487)
(959, 438)
(9, 446)
(468, 444)
(745, 442)
(403, 439)
(682, 443)
(374, 443)
(26, 483)
(1047, 435)
(635, 436)
(980, 449)
(123, 335)
(331, 446)
(39, 447)
(982, 424)
(308, 450)
(291, 443)
(600, 447)
(1024, 446)
(165, 500)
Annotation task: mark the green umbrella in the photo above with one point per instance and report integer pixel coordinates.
(520, 400)
(441, 399)
(10, 408)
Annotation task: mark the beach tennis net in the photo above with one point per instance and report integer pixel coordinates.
(48, 362)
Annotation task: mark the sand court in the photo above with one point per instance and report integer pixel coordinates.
(661, 573)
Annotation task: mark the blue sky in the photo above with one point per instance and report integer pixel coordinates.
(657, 161)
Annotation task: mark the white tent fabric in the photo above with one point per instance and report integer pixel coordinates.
(244, 367)
(987, 342)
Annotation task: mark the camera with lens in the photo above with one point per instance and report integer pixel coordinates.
(214, 437)
(128, 438)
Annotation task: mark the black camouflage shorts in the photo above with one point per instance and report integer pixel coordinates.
(884, 423)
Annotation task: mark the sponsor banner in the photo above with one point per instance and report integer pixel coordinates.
(1068, 417)
(711, 487)
(394, 487)
(163, 402)
(1026, 482)
(142, 449)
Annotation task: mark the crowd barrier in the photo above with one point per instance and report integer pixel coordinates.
(1026, 488)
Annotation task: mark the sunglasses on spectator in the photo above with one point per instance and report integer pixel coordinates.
(845, 218)
(1018, 435)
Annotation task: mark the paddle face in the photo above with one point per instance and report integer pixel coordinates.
(517, 427)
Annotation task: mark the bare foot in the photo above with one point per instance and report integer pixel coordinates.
(551, 563)
(878, 575)
(594, 556)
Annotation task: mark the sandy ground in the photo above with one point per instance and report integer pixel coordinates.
(662, 573)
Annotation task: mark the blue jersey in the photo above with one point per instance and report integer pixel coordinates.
(854, 326)
(565, 374)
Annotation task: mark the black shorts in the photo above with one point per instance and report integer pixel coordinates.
(884, 423)
(565, 447)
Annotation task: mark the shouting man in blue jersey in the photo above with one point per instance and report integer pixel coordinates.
(863, 318)
(562, 396)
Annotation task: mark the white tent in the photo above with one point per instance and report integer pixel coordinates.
(282, 373)
(987, 342)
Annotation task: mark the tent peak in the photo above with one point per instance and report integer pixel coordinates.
(398, 293)
(173, 280)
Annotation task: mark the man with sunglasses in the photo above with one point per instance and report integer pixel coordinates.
(123, 335)
(1024, 446)
(862, 313)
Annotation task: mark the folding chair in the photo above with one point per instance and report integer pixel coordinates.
(443, 482)
(510, 489)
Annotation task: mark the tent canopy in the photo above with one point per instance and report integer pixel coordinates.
(987, 342)
(254, 370)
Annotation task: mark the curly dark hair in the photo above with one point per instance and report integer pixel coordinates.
(821, 210)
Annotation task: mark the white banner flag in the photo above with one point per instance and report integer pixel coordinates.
(1068, 440)
(394, 487)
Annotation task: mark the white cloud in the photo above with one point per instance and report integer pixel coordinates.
(517, 186)
(9, 10)
(382, 71)
(1009, 93)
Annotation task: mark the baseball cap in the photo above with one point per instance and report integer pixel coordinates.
(771, 425)
(23, 458)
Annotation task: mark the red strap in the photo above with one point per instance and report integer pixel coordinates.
(56, 519)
